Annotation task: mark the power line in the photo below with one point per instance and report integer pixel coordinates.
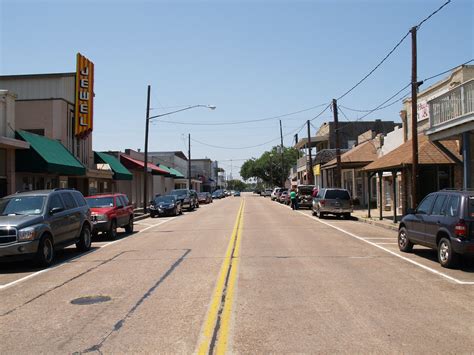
(391, 51)
(447, 71)
(252, 146)
(242, 122)
(432, 14)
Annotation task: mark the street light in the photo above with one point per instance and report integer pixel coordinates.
(147, 120)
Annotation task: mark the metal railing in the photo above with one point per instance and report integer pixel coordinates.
(453, 104)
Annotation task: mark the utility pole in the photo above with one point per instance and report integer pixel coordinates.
(281, 153)
(310, 170)
(145, 166)
(337, 178)
(189, 161)
(414, 120)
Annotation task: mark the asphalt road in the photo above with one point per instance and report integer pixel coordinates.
(242, 275)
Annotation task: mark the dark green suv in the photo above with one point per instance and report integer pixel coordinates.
(35, 224)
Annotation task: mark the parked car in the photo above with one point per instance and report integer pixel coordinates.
(266, 192)
(36, 224)
(305, 196)
(109, 212)
(278, 193)
(273, 196)
(188, 198)
(285, 198)
(332, 201)
(443, 221)
(204, 197)
(167, 205)
(237, 194)
(218, 194)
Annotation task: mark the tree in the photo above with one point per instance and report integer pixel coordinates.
(269, 168)
(236, 185)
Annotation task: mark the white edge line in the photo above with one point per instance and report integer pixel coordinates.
(391, 252)
(5, 286)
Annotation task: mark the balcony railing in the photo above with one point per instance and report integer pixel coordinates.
(453, 104)
(302, 162)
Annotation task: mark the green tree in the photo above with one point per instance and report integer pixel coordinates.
(268, 167)
(237, 185)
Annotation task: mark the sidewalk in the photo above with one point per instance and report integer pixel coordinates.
(386, 222)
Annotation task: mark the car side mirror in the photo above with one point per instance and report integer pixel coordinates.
(55, 210)
(411, 211)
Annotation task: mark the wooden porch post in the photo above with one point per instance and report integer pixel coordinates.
(369, 175)
(394, 182)
(380, 173)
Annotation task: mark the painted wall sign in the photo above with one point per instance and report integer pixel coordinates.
(84, 96)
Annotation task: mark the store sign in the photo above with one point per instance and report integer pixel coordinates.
(423, 110)
(84, 96)
(317, 170)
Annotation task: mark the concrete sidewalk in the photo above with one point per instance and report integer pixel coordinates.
(386, 222)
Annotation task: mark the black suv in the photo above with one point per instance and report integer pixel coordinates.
(444, 221)
(36, 223)
(187, 197)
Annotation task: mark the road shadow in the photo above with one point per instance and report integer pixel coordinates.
(466, 263)
(29, 265)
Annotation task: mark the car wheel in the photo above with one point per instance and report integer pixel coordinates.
(112, 233)
(85, 240)
(404, 243)
(347, 216)
(45, 253)
(320, 215)
(129, 226)
(313, 212)
(180, 210)
(446, 255)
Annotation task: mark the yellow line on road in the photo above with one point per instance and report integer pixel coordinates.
(216, 303)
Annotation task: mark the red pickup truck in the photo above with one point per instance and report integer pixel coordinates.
(109, 212)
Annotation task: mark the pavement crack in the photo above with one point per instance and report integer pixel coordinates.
(119, 324)
(64, 283)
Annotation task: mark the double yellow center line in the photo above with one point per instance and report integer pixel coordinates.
(216, 327)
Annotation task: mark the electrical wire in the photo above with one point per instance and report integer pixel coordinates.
(447, 71)
(391, 51)
(244, 121)
(295, 131)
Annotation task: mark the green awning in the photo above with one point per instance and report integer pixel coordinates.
(176, 173)
(167, 169)
(46, 156)
(120, 172)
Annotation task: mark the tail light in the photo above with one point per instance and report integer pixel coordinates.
(460, 229)
(322, 202)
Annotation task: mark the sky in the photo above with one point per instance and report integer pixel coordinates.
(251, 59)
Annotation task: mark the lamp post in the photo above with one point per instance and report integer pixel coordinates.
(147, 120)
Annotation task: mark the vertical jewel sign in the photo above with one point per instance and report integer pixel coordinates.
(84, 96)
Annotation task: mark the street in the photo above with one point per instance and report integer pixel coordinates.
(241, 275)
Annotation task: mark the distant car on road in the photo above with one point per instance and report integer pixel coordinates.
(443, 221)
(167, 205)
(266, 192)
(237, 194)
(35, 224)
(109, 212)
(332, 201)
(273, 195)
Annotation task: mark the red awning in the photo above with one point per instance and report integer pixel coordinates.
(131, 163)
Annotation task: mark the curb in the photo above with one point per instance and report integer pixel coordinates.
(377, 223)
(140, 217)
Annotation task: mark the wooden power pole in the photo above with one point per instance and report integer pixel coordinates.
(337, 176)
(414, 120)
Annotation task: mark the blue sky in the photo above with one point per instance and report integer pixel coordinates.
(252, 59)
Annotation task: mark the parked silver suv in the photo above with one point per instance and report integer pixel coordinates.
(332, 201)
(35, 224)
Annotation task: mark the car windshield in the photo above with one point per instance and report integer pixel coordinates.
(179, 192)
(100, 202)
(22, 205)
(202, 194)
(165, 199)
(337, 194)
